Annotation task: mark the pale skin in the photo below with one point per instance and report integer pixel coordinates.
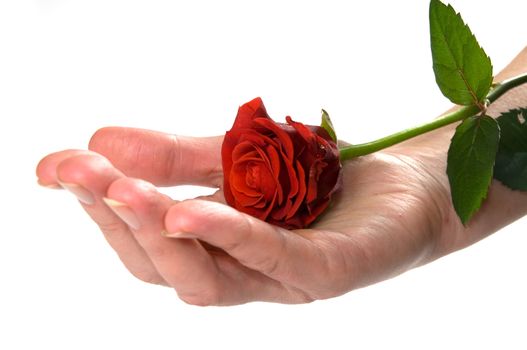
(392, 214)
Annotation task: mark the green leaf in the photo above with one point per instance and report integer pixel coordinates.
(328, 125)
(463, 71)
(511, 160)
(470, 163)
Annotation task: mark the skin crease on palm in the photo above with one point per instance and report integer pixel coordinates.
(392, 214)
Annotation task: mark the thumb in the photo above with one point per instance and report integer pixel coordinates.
(280, 254)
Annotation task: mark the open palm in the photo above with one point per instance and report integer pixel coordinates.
(393, 213)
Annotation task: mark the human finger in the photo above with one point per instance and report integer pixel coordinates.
(88, 176)
(160, 158)
(46, 169)
(295, 259)
(184, 264)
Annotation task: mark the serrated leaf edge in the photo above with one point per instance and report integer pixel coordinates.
(465, 220)
(459, 69)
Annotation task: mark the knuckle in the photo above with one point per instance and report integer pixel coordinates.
(271, 264)
(112, 228)
(157, 251)
(233, 246)
(244, 231)
(173, 158)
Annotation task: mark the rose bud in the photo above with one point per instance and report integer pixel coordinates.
(284, 174)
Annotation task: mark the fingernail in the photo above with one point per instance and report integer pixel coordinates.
(124, 212)
(50, 186)
(179, 234)
(80, 192)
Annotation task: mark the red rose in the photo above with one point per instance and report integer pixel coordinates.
(284, 174)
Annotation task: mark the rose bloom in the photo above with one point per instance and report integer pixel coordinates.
(284, 174)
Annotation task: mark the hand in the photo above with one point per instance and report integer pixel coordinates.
(393, 213)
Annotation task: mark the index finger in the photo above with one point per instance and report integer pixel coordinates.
(160, 158)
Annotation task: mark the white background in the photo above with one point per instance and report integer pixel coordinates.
(70, 67)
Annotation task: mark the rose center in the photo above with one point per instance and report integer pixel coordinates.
(253, 175)
(258, 178)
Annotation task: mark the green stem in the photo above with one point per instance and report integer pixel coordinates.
(461, 114)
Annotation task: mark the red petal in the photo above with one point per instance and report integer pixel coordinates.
(245, 151)
(255, 211)
(302, 130)
(248, 201)
(248, 112)
(260, 204)
(258, 138)
(315, 212)
(267, 183)
(275, 171)
(292, 178)
(226, 161)
(301, 190)
(282, 135)
(238, 179)
(281, 212)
